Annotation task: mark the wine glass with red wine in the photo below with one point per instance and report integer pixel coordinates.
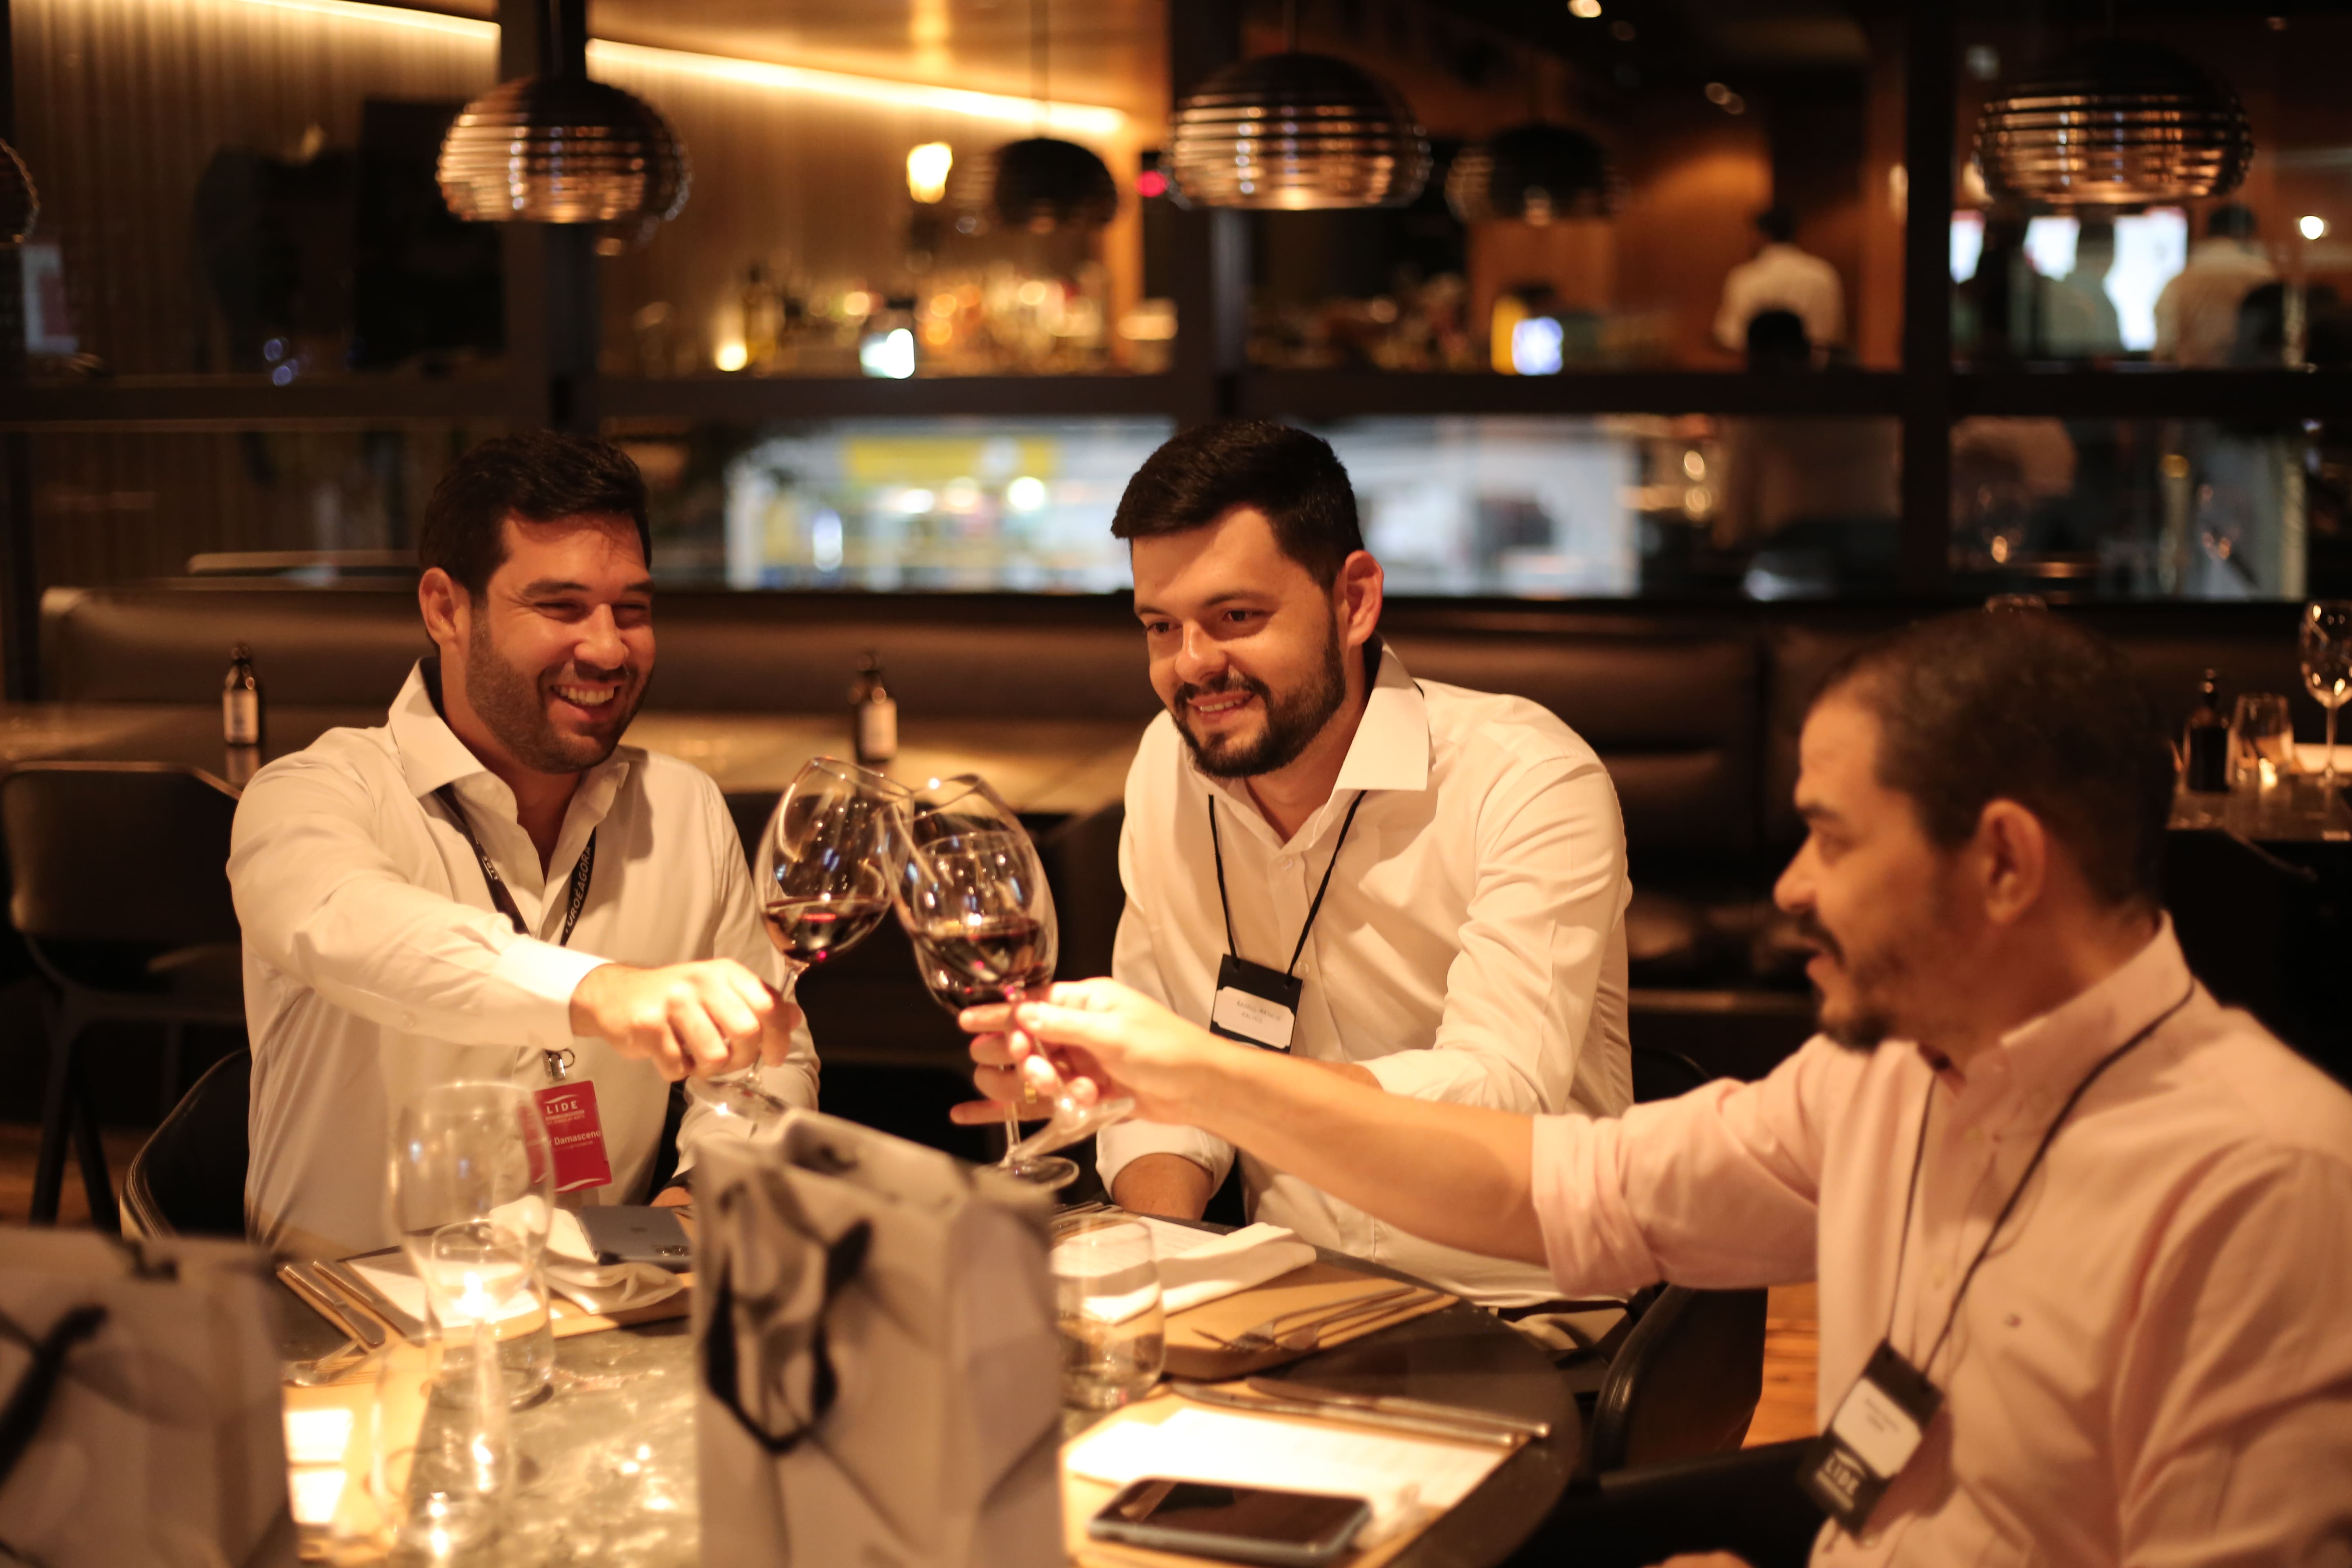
(822, 877)
(975, 906)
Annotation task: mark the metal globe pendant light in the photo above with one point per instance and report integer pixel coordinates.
(1040, 182)
(1296, 132)
(2115, 123)
(559, 148)
(1537, 174)
(20, 203)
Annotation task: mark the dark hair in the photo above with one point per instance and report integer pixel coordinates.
(1292, 476)
(539, 476)
(2231, 220)
(2021, 705)
(1777, 225)
(1777, 341)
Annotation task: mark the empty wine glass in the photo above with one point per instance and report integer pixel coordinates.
(2326, 646)
(472, 1196)
(975, 906)
(822, 877)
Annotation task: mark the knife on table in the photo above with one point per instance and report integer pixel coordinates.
(350, 1315)
(355, 1285)
(1422, 1425)
(1397, 1405)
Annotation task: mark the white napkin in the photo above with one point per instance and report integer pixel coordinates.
(574, 1273)
(1197, 1266)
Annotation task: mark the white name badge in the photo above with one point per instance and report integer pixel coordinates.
(1253, 1019)
(1877, 1428)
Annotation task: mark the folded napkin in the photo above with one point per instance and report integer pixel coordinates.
(574, 1273)
(1199, 1265)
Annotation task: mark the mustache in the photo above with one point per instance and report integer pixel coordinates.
(1809, 926)
(1234, 681)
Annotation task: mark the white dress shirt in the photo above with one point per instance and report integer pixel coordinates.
(2196, 313)
(1472, 947)
(375, 966)
(1783, 278)
(2153, 1365)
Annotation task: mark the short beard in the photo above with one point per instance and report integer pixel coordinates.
(1866, 1028)
(1293, 719)
(510, 704)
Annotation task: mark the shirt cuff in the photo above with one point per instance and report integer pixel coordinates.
(546, 976)
(1456, 1077)
(1118, 1146)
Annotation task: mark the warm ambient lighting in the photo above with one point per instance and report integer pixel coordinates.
(1076, 117)
(927, 171)
(730, 357)
(2313, 227)
(1588, 9)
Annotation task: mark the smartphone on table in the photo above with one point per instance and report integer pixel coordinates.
(1244, 1524)
(636, 1233)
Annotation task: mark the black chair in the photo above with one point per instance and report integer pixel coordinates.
(121, 890)
(1747, 1503)
(1661, 1074)
(188, 1178)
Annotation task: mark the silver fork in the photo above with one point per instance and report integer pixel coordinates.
(1279, 1330)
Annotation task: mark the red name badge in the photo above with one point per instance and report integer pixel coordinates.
(577, 1133)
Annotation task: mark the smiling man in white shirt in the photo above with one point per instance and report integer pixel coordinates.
(1417, 887)
(490, 886)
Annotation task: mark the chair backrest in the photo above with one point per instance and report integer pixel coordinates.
(188, 1179)
(128, 852)
(1661, 1074)
(1685, 1383)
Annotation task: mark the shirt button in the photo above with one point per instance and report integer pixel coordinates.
(1286, 861)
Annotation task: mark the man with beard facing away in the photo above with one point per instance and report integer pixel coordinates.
(490, 886)
(2080, 1231)
(1417, 889)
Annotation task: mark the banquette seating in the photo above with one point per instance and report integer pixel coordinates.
(1695, 709)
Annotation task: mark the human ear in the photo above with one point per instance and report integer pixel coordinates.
(2012, 855)
(444, 605)
(1357, 595)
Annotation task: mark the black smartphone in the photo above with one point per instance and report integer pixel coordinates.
(636, 1233)
(1245, 1524)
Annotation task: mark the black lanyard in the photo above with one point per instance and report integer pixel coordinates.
(1312, 909)
(502, 900)
(2031, 1165)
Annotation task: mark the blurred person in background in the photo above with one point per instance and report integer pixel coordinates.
(1781, 277)
(2196, 313)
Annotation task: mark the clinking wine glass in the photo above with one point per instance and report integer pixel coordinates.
(822, 877)
(472, 1196)
(2325, 642)
(975, 906)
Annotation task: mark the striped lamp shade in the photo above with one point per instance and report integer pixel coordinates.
(562, 149)
(2113, 123)
(1294, 131)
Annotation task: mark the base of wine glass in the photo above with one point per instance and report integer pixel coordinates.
(1071, 1123)
(1049, 1171)
(737, 1097)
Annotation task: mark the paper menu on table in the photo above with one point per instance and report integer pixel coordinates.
(1397, 1476)
(1200, 1266)
(391, 1276)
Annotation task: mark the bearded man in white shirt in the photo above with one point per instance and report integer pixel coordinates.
(1415, 887)
(490, 886)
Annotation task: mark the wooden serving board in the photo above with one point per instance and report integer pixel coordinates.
(1194, 1356)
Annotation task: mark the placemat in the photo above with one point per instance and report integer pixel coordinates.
(1194, 1356)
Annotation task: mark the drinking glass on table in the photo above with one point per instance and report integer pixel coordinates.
(2326, 645)
(472, 1196)
(2262, 740)
(1106, 1304)
(822, 877)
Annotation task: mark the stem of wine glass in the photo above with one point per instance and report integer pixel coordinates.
(490, 1434)
(793, 970)
(2328, 774)
(1011, 1112)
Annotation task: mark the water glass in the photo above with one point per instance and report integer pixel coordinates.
(1106, 1302)
(2262, 740)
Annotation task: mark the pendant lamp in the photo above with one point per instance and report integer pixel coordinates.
(1295, 131)
(2115, 123)
(1536, 173)
(1040, 182)
(20, 203)
(559, 148)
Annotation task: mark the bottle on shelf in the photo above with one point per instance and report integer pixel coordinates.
(873, 715)
(2205, 748)
(763, 320)
(241, 701)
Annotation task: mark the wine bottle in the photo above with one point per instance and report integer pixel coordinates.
(241, 701)
(2205, 749)
(874, 717)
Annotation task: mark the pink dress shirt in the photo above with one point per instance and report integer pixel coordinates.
(2153, 1366)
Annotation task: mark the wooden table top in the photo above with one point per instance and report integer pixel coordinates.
(1041, 766)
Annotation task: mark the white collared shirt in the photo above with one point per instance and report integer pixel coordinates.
(1783, 278)
(375, 966)
(1471, 948)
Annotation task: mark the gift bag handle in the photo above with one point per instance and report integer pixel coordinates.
(20, 1418)
(844, 1257)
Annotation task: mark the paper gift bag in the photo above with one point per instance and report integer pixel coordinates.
(140, 1414)
(879, 1372)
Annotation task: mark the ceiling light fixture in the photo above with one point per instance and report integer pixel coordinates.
(1536, 173)
(1044, 184)
(1296, 132)
(2115, 123)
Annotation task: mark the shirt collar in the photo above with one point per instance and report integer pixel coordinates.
(1390, 751)
(431, 755)
(2044, 1058)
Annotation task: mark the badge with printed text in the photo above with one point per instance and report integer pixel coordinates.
(1875, 1431)
(1254, 1005)
(577, 1133)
